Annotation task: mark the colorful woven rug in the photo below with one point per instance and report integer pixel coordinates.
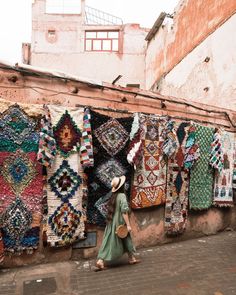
(201, 174)
(110, 142)
(47, 144)
(1, 248)
(234, 169)
(102, 204)
(177, 185)
(223, 187)
(20, 181)
(149, 183)
(66, 187)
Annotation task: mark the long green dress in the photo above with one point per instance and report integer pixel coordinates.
(112, 246)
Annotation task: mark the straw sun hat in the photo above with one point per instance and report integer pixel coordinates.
(117, 182)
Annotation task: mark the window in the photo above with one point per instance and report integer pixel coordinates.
(51, 36)
(102, 41)
(51, 33)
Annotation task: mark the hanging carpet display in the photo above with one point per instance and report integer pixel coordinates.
(234, 169)
(149, 185)
(20, 181)
(177, 185)
(201, 174)
(110, 143)
(223, 153)
(66, 187)
(1, 248)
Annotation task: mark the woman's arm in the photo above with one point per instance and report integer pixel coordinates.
(126, 219)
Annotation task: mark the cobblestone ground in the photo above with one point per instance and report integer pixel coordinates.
(205, 266)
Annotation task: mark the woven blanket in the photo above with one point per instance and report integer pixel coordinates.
(66, 187)
(1, 248)
(110, 143)
(201, 174)
(234, 171)
(234, 167)
(149, 183)
(223, 187)
(192, 152)
(20, 181)
(47, 144)
(177, 185)
(217, 159)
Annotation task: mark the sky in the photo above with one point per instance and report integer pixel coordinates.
(15, 19)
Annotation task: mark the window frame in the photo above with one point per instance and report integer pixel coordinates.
(96, 38)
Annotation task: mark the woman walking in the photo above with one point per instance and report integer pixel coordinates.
(113, 246)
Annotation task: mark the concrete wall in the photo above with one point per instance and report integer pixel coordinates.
(155, 55)
(148, 224)
(194, 21)
(66, 52)
(208, 73)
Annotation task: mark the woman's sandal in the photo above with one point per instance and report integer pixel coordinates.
(134, 261)
(99, 267)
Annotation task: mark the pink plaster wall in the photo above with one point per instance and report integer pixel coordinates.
(196, 59)
(194, 21)
(208, 72)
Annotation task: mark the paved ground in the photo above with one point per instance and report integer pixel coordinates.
(205, 266)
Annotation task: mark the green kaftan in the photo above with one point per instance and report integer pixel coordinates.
(112, 246)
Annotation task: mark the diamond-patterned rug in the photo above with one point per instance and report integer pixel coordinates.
(149, 183)
(106, 171)
(110, 141)
(177, 185)
(16, 221)
(112, 136)
(64, 221)
(102, 204)
(18, 171)
(20, 180)
(67, 135)
(23, 191)
(66, 187)
(16, 125)
(65, 182)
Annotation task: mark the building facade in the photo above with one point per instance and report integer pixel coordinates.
(91, 43)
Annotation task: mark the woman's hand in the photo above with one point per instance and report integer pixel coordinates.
(129, 228)
(126, 219)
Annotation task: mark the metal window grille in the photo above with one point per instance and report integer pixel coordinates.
(98, 17)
